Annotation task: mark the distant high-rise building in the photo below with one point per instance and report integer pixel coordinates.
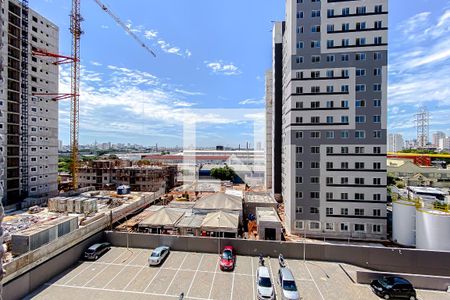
(332, 62)
(269, 114)
(395, 142)
(29, 122)
(436, 137)
(444, 144)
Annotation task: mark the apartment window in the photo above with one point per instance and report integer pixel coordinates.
(315, 58)
(315, 134)
(377, 56)
(344, 196)
(360, 41)
(299, 134)
(330, 12)
(360, 134)
(299, 180)
(376, 197)
(360, 103)
(315, 120)
(330, 73)
(359, 196)
(360, 25)
(360, 87)
(360, 228)
(344, 104)
(377, 119)
(345, 57)
(377, 87)
(344, 119)
(330, 180)
(345, 73)
(315, 165)
(300, 45)
(361, 10)
(377, 24)
(377, 212)
(299, 15)
(359, 181)
(344, 180)
(344, 211)
(344, 165)
(315, 104)
(299, 225)
(299, 120)
(299, 165)
(329, 120)
(331, 57)
(299, 90)
(345, 11)
(376, 228)
(315, 28)
(299, 149)
(329, 165)
(344, 226)
(314, 180)
(329, 211)
(330, 89)
(330, 28)
(344, 88)
(315, 74)
(315, 13)
(315, 44)
(360, 56)
(314, 225)
(299, 210)
(345, 134)
(330, 135)
(329, 150)
(345, 42)
(359, 165)
(299, 195)
(359, 150)
(298, 104)
(300, 29)
(377, 134)
(315, 150)
(377, 72)
(377, 150)
(360, 72)
(377, 181)
(299, 59)
(378, 9)
(329, 196)
(315, 195)
(359, 212)
(360, 119)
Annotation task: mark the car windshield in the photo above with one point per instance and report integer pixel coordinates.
(387, 282)
(90, 250)
(155, 254)
(264, 282)
(289, 285)
(227, 254)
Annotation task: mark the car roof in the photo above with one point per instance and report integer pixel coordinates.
(287, 274)
(160, 248)
(95, 246)
(398, 280)
(228, 248)
(263, 272)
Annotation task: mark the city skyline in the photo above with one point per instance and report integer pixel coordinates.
(144, 99)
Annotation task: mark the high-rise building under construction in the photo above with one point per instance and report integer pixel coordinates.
(28, 123)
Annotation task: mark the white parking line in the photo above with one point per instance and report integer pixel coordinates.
(253, 279)
(315, 283)
(115, 276)
(212, 282)
(171, 282)
(154, 276)
(134, 277)
(86, 266)
(232, 285)
(195, 275)
(98, 273)
(140, 251)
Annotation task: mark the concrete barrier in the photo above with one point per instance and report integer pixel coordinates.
(439, 283)
(412, 261)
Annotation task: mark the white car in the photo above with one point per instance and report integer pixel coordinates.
(264, 287)
(158, 255)
(287, 282)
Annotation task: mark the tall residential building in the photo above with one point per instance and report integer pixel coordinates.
(334, 100)
(395, 142)
(28, 124)
(436, 137)
(269, 114)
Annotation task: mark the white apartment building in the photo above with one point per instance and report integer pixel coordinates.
(395, 142)
(31, 166)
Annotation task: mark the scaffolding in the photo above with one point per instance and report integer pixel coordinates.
(24, 99)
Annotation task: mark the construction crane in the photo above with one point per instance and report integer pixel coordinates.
(74, 95)
(124, 26)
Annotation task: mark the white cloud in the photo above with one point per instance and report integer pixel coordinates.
(220, 67)
(95, 63)
(104, 27)
(251, 101)
(150, 34)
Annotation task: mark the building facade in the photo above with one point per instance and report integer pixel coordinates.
(269, 116)
(436, 137)
(395, 142)
(29, 124)
(334, 100)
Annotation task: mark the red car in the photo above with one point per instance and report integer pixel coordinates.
(227, 259)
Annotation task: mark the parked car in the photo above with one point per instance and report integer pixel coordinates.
(96, 250)
(264, 287)
(158, 255)
(227, 259)
(393, 287)
(287, 283)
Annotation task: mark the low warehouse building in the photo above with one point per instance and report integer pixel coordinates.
(252, 200)
(268, 223)
(219, 202)
(190, 225)
(162, 221)
(220, 224)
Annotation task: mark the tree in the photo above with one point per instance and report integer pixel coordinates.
(223, 173)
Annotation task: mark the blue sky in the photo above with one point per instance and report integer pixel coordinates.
(213, 55)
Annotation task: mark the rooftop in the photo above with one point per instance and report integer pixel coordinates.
(267, 214)
(259, 198)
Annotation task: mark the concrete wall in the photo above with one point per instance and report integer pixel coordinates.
(439, 283)
(376, 258)
(33, 279)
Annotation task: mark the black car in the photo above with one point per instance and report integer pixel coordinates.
(393, 288)
(96, 250)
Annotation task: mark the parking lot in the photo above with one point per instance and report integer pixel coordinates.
(124, 274)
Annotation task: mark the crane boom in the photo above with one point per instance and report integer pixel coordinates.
(124, 26)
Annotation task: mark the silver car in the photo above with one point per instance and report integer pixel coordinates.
(264, 287)
(158, 255)
(287, 283)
